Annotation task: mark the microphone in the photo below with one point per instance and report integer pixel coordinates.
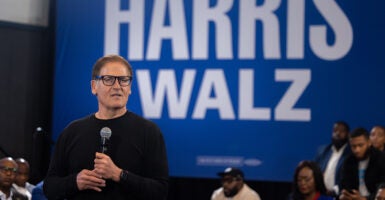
(105, 134)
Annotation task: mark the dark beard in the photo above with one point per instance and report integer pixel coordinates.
(232, 192)
(338, 143)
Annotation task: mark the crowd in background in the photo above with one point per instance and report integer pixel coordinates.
(14, 185)
(351, 167)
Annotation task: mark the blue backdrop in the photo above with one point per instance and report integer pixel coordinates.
(249, 83)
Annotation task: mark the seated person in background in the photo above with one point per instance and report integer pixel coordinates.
(21, 180)
(377, 137)
(380, 192)
(308, 183)
(8, 168)
(363, 170)
(234, 187)
(37, 192)
(331, 157)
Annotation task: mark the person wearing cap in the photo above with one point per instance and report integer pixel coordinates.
(234, 187)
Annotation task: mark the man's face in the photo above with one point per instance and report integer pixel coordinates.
(377, 137)
(22, 174)
(360, 146)
(113, 97)
(339, 132)
(7, 173)
(380, 194)
(231, 185)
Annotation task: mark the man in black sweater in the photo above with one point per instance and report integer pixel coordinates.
(135, 165)
(363, 170)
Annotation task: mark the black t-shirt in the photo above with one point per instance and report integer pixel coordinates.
(136, 145)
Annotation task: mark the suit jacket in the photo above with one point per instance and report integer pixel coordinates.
(374, 174)
(323, 157)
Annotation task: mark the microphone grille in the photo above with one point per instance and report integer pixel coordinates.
(105, 132)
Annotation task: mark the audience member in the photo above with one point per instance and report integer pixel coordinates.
(377, 137)
(234, 187)
(308, 183)
(135, 163)
(331, 157)
(21, 180)
(8, 169)
(37, 192)
(380, 192)
(363, 170)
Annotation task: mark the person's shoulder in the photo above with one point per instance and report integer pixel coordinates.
(217, 193)
(351, 159)
(75, 125)
(141, 120)
(38, 187)
(321, 152)
(325, 147)
(134, 116)
(29, 186)
(249, 193)
(377, 155)
(16, 195)
(376, 152)
(348, 149)
(81, 120)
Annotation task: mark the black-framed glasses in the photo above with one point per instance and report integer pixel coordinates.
(109, 80)
(5, 169)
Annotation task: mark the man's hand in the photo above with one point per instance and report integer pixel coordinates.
(106, 168)
(87, 179)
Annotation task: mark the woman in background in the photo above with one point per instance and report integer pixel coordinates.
(377, 137)
(308, 183)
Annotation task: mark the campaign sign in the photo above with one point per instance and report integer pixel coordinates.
(250, 83)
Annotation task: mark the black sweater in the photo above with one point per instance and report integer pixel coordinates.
(136, 145)
(374, 174)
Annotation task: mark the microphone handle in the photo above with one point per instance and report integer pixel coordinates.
(104, 143)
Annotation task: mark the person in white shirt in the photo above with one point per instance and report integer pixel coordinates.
(330, 158)
(8, 169)
(21, 180)
(234, 187)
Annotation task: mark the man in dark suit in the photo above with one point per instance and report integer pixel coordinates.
(331, 157)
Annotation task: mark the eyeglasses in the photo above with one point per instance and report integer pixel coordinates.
(110, 80)
(5, 169)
